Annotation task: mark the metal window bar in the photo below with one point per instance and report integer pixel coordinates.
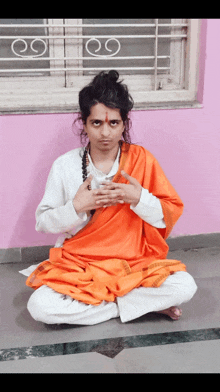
(156, 53)
(97, 25)
(20, 57)
(25, 58)
(176, 36)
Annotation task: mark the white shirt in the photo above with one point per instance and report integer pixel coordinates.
(56, 213)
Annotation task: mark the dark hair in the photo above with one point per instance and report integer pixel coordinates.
(106, 89)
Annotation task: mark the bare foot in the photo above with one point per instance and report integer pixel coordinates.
(173, 312)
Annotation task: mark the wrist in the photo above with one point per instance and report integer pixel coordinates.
(76, 205)
(137, 198)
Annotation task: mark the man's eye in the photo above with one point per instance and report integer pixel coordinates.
(96, 123)
(114, 123)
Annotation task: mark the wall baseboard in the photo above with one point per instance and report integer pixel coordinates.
(196, 241)
(36, 254)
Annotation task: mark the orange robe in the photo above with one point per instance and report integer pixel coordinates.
(116, 251)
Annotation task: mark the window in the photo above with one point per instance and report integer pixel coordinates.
(45, 62)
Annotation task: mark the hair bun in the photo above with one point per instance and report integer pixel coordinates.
(113, 75)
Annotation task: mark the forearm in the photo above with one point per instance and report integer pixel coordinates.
(149, 209)
(58, 219)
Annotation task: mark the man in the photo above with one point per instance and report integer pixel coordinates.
(114, 207)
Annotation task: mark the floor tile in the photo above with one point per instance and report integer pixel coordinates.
(195, 357)
(75, 363)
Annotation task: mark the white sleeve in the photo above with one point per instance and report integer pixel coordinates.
(149, 209)
(55, 214)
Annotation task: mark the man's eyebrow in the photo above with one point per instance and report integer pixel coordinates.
(97, 119)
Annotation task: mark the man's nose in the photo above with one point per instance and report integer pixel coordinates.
(105, 129)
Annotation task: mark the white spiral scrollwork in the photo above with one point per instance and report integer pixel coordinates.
(26, 47)
(106, 47)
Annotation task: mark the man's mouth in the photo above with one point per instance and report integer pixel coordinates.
(105, 141)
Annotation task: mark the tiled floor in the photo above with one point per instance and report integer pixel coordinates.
(150, 344)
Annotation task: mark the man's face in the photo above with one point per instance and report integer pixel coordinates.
(104, 127)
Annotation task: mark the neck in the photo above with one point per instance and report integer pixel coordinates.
(103, 155)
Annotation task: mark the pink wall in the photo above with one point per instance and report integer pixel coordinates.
(186, 142)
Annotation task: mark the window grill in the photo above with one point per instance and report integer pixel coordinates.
(45, 62)
(138, 51)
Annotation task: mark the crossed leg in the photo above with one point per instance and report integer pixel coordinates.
(50, 307)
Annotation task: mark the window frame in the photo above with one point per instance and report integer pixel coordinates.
(59, 94)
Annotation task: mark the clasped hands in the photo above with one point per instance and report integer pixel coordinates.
(110, 194)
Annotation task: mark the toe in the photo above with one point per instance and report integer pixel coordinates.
(177, 313)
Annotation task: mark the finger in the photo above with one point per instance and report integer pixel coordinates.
(110, 187)
(109, 201)
(131, 179)
(106, 191)
(88, 180)
(110, 195)
(126, 175)
(102, 201)
(108, 184)
(105, 201)
(115, 187)
(111, 204)
(109, 192)
(103, 190)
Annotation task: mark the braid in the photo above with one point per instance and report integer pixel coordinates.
(84, 171)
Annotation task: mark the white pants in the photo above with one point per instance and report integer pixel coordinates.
(50, 307)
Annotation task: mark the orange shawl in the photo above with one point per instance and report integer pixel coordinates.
(116, 251)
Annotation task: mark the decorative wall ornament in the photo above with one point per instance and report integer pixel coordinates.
(100, 45)
(13, 48)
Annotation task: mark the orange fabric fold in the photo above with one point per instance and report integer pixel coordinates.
(116, 251)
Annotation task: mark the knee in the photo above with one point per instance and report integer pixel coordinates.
(35, 305)
(189, 286)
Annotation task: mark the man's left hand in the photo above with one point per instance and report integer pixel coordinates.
(127, 193)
